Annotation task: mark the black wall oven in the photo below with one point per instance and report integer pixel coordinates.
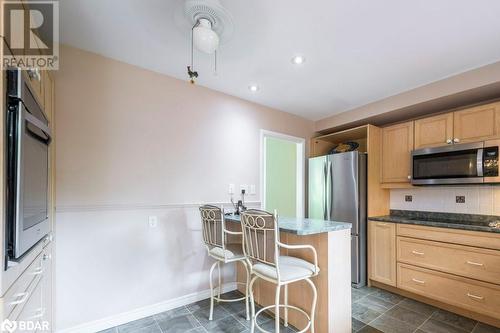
(468, 163)
(27, 194)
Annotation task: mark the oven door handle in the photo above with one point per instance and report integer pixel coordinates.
(40, 125)
(479, 162)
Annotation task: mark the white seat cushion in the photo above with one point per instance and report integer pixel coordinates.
(233, 251)
(291, 268)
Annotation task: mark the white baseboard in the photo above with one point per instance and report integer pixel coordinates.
(123, 318)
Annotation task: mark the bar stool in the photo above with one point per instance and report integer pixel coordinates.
(215, 239)
(261, 246)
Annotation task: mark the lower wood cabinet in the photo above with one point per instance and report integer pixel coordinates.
(382, 252)
(457, 268)
(466, 261)
(29, 299)
(31, 315)
(465, 293)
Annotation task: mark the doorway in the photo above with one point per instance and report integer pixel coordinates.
(282, 173)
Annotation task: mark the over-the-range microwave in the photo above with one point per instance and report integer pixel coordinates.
(467, 163)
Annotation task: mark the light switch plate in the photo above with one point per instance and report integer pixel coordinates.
(153, 221)
(230, 189)
(252, 189)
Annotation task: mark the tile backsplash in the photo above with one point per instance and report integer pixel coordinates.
(468, 199)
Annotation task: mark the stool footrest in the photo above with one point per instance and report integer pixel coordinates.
(215, 291)
(282, 306)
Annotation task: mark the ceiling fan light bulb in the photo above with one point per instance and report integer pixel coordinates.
(204, 38)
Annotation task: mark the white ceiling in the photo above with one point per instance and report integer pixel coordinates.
(356, 51)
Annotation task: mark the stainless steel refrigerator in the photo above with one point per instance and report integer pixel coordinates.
(337, 192)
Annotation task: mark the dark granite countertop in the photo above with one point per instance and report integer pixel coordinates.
(473, 222)
(302, 226)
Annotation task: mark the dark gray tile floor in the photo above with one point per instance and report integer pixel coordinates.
(376, 310)
(373, 310)
(193, 318)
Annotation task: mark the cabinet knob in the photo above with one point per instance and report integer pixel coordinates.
(46, 257)
(449, 141)
(409, 177)
(456, 140)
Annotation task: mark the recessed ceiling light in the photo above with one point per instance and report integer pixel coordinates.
(298, 60)
(253, 88)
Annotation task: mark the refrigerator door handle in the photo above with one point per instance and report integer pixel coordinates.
(324, 189)
(328, 196)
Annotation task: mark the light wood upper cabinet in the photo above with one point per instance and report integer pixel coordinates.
(477, 124)
(382, 252)
(434, 131)
(397, 144)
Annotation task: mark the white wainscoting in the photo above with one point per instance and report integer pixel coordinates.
(112, 267)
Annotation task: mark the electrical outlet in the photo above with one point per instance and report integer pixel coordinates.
(460, 199)
(252, 190)
(408, 198)
(153, 221)
(230, 189)
(244, 187)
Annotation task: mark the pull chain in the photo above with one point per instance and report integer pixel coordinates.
(215, 63)
(192, 45)
(193, 75)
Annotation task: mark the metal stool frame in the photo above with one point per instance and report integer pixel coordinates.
(257, 225)
(214, 236)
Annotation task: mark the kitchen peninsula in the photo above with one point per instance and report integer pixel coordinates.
(332, 242)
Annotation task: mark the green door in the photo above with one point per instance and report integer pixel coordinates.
(281, 177)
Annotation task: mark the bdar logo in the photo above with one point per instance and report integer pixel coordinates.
(8, 326)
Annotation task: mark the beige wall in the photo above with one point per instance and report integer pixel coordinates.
(133, 143)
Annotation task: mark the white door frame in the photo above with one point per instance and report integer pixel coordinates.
(300, 144)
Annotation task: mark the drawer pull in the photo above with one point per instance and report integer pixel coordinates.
(38, 271)
(39, 313)
(22, 297)
(474, 263)
(418, 281)
(475, 296)
(417, 253)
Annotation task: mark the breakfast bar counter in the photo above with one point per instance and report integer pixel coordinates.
(332, 242)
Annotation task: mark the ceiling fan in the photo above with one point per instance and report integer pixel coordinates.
(211, 24)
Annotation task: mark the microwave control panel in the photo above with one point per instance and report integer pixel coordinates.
(490, 162)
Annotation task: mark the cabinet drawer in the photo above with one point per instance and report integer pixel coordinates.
(476, 263)
(480, 297)
(18, 293)
(488, 240)
(33, 311)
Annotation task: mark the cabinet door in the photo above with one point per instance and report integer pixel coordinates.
(397, 144)
(434, 131)
(382, 252)
(48, 92)
(46, 284)
(477, 124)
